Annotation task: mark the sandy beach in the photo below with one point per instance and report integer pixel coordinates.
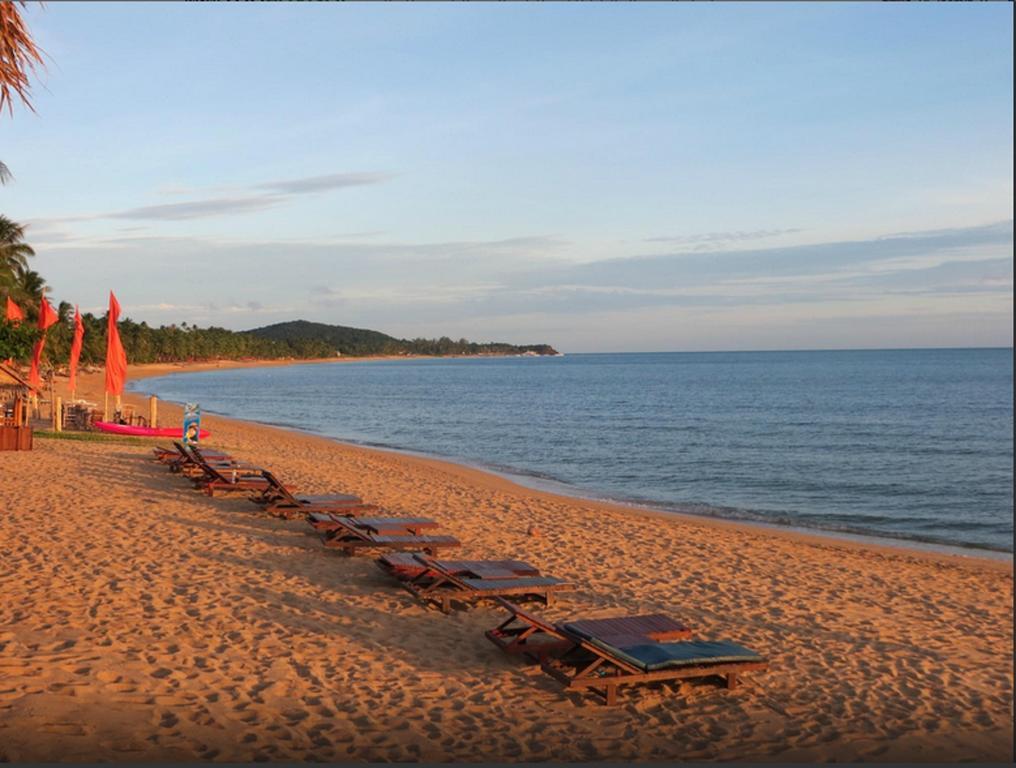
(142, 621)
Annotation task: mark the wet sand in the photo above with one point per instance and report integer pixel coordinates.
(143, 621)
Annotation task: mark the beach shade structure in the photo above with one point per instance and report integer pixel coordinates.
(447, 583)
(47, 316)
(116, 358)
(353, 535)
(601, 655)
(281, 502)
(15, 430)
(79, 335)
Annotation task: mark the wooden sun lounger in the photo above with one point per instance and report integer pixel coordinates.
(222, 461)
(281, 502)
(178, 452)
(441, 585)
(329, 522)
(216, 478)
(188, 463)
(165, 455)
(353, 534)
(404, 565)
(603, 654)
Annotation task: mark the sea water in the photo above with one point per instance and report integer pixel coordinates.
(909, 444)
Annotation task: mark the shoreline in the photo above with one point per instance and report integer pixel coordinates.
(558, 489)
(143, 621)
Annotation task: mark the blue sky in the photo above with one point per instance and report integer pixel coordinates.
(599, 177)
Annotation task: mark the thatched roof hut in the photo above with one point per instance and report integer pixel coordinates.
(14, 393)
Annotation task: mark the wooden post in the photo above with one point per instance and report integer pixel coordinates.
(153, 411)
(105, 407)
(58, 414)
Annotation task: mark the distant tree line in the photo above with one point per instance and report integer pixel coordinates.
(360, 342)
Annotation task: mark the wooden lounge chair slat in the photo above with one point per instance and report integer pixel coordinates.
(656, 627)
(349, 537)
(436, 583)
(280, 500)
(405, 565)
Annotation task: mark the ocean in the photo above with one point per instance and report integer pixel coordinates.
(904, 444)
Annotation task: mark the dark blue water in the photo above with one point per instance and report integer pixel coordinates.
(913, 444)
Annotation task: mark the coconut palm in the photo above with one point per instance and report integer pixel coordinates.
(20, 57)
(14, 251)
(30, 286)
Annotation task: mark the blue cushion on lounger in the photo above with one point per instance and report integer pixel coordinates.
(655, 656)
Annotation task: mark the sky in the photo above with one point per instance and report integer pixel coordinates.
(600, 177)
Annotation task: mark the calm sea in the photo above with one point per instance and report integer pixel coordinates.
(911, 444)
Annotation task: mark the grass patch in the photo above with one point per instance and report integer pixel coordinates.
(90, 437)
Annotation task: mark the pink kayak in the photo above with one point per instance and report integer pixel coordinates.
(126, 429)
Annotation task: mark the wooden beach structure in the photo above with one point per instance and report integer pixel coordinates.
(601, 655)
(465, 582)
(15, 393)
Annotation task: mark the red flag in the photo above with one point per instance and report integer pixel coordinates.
(14, 313)
(116, 359)
(46, 315)
(79, 332)
(46, 318)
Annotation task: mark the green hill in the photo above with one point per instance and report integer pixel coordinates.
(359, 342)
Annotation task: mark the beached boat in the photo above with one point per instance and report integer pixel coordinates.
(127, 429)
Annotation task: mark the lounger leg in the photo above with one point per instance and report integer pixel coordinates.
(611, 695)
(732, 680)
(446, 605)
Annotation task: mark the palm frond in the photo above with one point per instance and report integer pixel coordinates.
(20, 57)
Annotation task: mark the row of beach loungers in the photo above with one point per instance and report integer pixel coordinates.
(598, 655)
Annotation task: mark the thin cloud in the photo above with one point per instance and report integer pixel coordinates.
(322, 183)
(323, 290)
(716, 239)
(255, 198)
(197, 209)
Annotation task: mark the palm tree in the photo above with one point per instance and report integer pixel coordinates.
(19, 56)
(30, 285)
(14, 251)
